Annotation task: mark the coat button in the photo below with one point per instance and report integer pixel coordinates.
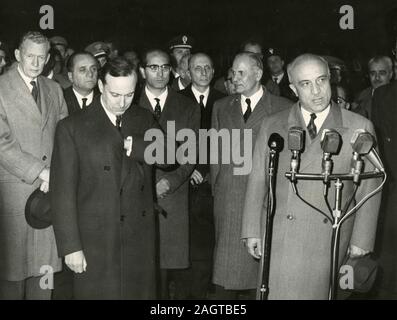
(144, 213)
(290, 217)
(106, 168)
(388, 139)
(143, 187)
(44, 158)
(325, 220)
(122, 217)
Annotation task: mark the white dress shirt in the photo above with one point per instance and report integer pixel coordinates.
(80, 98)
(279, 77)
(162, 97)
(319, 121)
(254, 100)
(26, 79)
(180, 85)
(197, 95)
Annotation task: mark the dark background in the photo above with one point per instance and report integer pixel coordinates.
(219, 26)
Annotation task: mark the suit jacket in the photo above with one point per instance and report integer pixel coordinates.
(234, 268)
(363, 103)
(71, 100)
(26, 141)
(384, 112)
(205, 122)
(301, 238)
(102, 203)
(174, 230)
(281, 89)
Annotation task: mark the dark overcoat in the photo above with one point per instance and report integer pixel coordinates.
(174, 221)
(102, 203)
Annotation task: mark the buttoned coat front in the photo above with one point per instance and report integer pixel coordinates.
(26, 141)
(301, 237)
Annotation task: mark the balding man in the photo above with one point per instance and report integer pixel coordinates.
(193, 283)
(301, 238)
(234, 269)
(380, 70)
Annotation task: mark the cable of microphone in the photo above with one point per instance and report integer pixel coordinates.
(362, 142)
(330, 144)
(296, 140)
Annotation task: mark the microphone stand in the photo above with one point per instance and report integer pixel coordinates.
(338, 217)
(264, 268)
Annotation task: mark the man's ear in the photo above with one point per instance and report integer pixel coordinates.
(259, 74)
(48, 58)
(142, 71)
(293, 88)
(70, 76)
(100, 85)
(17, 54)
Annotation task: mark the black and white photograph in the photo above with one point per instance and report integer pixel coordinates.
(198, 150)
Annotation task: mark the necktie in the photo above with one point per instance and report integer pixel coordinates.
(118, 122)
(84, 103)
(275, 80)
(157, 109)
(311, 127)
(202, 102)
(35, 91)
(248, 112)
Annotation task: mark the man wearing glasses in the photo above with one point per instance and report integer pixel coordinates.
(169, 107)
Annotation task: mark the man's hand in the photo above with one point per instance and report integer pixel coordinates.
(76, 261)
(254, 246)
(162, 188)
(196, 177)
(45, 177)
(356, 252)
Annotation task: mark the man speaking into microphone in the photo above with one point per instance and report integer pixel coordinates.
(301, 238)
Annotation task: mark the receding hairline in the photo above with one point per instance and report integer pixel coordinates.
(195, 56)
(304, 58)
(378, 59)
(254, 59)
(157, 52)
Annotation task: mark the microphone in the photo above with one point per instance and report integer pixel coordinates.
(330, 144)
(362, 143)
(296, 140)
(276, 144)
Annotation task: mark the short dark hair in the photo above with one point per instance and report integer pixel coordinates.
(149, 51)
(117, 67)
(71, 60)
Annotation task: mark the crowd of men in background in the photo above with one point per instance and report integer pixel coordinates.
(125, 229)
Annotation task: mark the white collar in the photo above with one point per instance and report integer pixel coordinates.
(25, 78)
(254, 99)
(80, 97)
(320, 117)
(279, 77)
(111, 116)
(180, 84)
(152, 97)
(197, 94)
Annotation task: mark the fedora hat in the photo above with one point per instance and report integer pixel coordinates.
(37, 210)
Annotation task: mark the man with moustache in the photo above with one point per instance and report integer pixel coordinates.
(172, 186)
(193, 283)
(234, 269)
(301, 237)
(101, 194)
(30, 107)
(380, 70)
(83, 74)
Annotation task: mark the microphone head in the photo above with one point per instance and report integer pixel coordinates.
(276, 142)
(330, 141)
(362, 141)
(296, 139)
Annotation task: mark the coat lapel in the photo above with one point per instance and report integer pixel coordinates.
(24, 96)
(236, 113)
(46, 103)
(261, 110)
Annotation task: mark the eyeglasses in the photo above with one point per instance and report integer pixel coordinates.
(156, 67)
